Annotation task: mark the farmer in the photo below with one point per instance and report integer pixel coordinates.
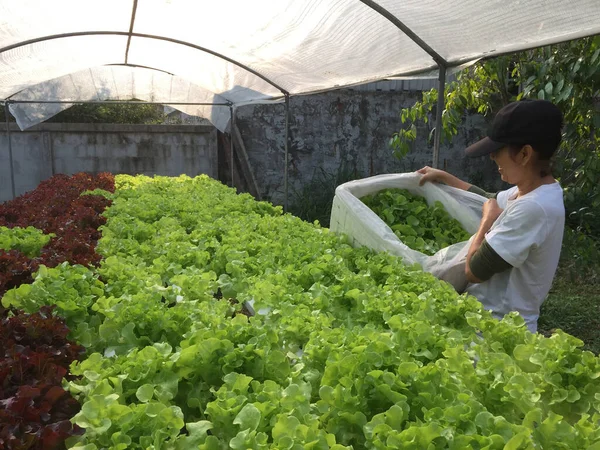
(513, 257)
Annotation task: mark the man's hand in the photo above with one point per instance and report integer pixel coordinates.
(491, 211)
(433, 175)
(440, 176)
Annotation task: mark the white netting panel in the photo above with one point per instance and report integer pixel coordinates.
(23, 20)
(459, 29)
(118, 83)
(203, 69)
(32, 64)
(301, 45)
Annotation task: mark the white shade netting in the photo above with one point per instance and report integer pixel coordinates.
(247, 51)
(126, 83)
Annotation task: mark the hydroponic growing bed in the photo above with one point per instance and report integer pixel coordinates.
(351, 348)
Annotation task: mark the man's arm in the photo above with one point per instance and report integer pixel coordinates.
(440, 176)
(508, 243)
(479, 253)
(479, 191)
(455, 182)
(485, 263)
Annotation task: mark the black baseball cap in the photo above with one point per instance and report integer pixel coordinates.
(520, 123)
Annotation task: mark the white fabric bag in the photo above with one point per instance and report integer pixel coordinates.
(349, 215)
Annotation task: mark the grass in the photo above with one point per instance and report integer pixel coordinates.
(573, 306)
(314, 199)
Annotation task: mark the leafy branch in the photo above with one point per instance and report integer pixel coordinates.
(566, 74)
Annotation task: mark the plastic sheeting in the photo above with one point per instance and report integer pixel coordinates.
(258, 50)
(126, 83)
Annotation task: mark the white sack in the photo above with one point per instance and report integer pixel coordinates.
(349, 215)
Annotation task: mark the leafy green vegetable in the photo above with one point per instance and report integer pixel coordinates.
(421, 227)
(73, 289)
(349, 348)
(28, 241)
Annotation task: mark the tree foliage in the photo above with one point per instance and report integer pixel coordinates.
(567, 74)
(121, 113)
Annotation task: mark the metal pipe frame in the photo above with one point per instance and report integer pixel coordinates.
(109, 65)
(134, 10)
(369, 3)
(231, 123)
(407, 31)
(441, 63)
(147, 36)
(10, 152)
(138, 66)
(438, 118)
(114, 102)
(287, 144)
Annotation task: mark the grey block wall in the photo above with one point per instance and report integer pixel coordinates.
(339, 131)
(349, 130)
(47, 149)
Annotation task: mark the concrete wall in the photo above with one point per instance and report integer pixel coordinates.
(349, 131)
(47, 149)
(344, 132)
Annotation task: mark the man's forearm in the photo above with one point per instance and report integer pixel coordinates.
(484, 227)
(479, 191)
(451, 180)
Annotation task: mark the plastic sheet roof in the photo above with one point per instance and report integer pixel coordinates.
(239, 51)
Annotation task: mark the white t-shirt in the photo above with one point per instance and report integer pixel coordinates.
(527, 235)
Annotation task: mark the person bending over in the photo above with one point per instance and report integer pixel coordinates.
(513, 257)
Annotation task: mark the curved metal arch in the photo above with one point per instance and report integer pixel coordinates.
(441, 62)
(133, 13)
(8, 99)
(138, 66)
(406, 30)
(147, 36)
(109, 102)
